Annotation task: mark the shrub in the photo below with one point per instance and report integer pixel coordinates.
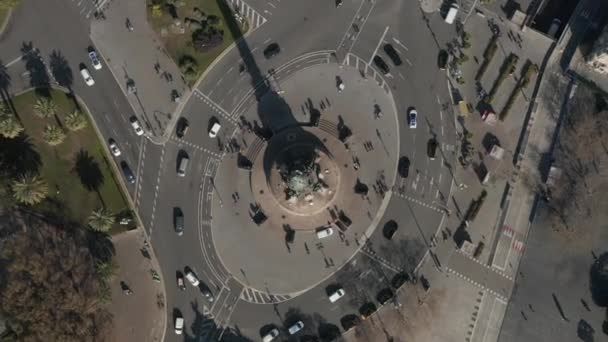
(529, 71)
(487, 57)
(507, 68)
(205, 40)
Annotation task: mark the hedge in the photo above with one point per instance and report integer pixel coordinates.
(507, 68)
(488, 55)
(529, 71)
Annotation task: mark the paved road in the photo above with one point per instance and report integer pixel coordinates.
(224, 94)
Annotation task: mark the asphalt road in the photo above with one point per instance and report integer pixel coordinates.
(305, 32)
(355, 31)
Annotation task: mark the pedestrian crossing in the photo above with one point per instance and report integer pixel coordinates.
(243, 11)
(87, 8)
(367, 71)
(252, 295)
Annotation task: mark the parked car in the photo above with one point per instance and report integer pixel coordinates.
(94, 60)
(392, 54)
(88, 79)
(271, 335)
(412, 118)
(136, 126)
(179, 325)
(389, 229)
(431, 148)
(296, 327)
(192, 278)
(182, 127)
(126, 170)
(337, 294)
(215, 128)
(443, 59)
(114, 148)
(272, 50)
(381, 65)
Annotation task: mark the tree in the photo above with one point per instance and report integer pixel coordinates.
(29, 189)
(45, 107)
(75, 121)
(101, 220)
(106, 269)
(8, 4)
(9, 126)
(206, 39)
(49, 289)
(53, 135)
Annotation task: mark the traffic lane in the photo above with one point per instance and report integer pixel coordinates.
(147, 177)
(176, 252)
(362, 279)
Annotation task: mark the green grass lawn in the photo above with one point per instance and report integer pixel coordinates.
(3, 15)
(59, 163)
(178, 45)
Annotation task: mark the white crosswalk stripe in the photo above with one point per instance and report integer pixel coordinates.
(242, 10)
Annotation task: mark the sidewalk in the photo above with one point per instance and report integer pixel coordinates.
(137, 317)
(132, 56)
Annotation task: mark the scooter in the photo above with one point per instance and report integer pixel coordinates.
(129, 25)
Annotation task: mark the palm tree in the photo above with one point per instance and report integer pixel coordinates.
(106, 269)
(101, 220)
(29, 189)
(45, 107)
(9, 126)
(53, 135)
(105, 293)
(75, 121)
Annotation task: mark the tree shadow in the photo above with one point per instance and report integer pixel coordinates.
(599, 280)
(461, 235)
(5, 80)
(204, 328)
(19, 156)
(39, 77)
(89, 173)
(61, 70)
(100, 245)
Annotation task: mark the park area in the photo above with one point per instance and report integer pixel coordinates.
(194, 32)
(59, 147)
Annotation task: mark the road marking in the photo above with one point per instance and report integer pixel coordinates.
(156, 190)
(403, 78)
(140, 168)
(272, 5)
(400, 44)
(378, 46)
(419, 202)
(14, 61)
(408, 61)
(267, 40)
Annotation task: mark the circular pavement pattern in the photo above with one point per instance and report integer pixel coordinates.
(265, 235)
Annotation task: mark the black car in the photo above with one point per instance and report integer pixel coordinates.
(390, 228)
(178, 221)
(182, 127)
(126, 170)
(431, 148)
(381, 65)
(272, 50)
(392, 54)
(442, 59)
(403, 168)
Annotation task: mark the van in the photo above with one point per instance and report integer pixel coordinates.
(183, 166)
(452, 12)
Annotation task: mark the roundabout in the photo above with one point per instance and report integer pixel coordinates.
(310, 172)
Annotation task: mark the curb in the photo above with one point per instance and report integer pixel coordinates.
(122, 185)
(7, 19)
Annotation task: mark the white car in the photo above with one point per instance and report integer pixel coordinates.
(272, 334)
(87, 77)
(136, 126)
(339, 293)
(114, 148)
(95, 60)
(295, 328)
(412, 116)
(325, 232)
(192, 279)
(214, 130)
(179, 325)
